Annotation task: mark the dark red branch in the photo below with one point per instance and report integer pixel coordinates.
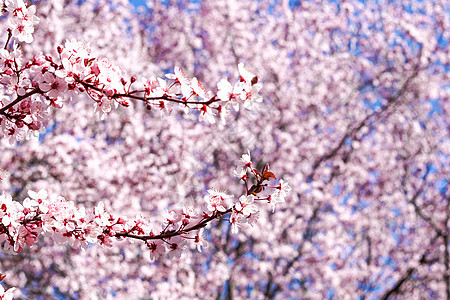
(19, 98)
(131, 96)
(170, 234)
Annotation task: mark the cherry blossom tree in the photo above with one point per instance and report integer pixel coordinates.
(353, 111)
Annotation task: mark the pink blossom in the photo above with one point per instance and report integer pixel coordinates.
(176, 247)
(245, 205)
(279, 195)
(102, 218)
(217, 200)
(228, 94)
(22, 21)
(179, 77)
(250, 95)
(156, 248)
(172, 217)
(52, 85)
(253, 218)
(206, 114)
(236, 221)
(22, 30)
(40, 199)
(200, 240)
(198, 88)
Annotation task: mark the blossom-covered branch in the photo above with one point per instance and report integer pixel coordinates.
(65, 222)
(31, 88)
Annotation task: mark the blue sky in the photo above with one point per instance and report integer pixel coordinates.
(137, 2)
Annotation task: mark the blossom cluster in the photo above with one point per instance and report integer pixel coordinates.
(21, 20)
(31, 88)
(109, 87)
(65, 222)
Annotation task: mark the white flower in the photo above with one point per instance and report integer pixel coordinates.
(19, 239)
(91, 232)
(40, 198)
(172, 217)
(22, 21)
(236, 220)
(229, 94)
(198, 89)
(244, 163)
(245, 205)
(6, 295)
(279, 195)
(207, 114)
(247, 76)
(216, 200)
(101, 216)
(179, 76)
(200, 240)
(250, 95)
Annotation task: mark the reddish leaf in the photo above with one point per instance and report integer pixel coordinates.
(267, 175)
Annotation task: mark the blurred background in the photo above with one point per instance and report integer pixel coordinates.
(355, 113)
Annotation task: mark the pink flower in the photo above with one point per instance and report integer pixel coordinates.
(245, 205)
(247, 90)
(216, 200)
(52, 85)
(23, 237)
(280, 193)
(102, 218)
(200, 240)
(228, 94)
(22, 30)
(73, 55)
(253, 218)
(162, 90)
(57, 207)
(172, 217)
(250, 95)
(156, 248)
(236, 221)
(189, 213)
(6, 202)
(198, 89)
(207, 114)
(176, 247)
(22, 20)
(241, 174)
(150, 86)
(15, 6)
(223, 112)
(109, 77)
(179, 77)
(91, 232)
